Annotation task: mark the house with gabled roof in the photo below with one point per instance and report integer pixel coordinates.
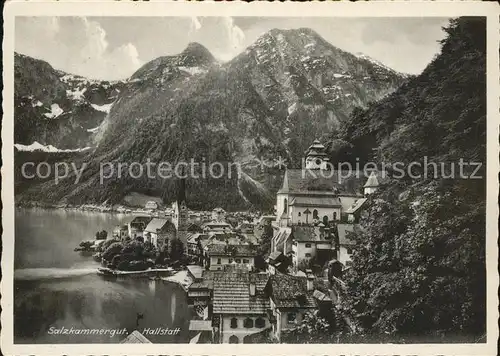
(137, 226)
(158, 231)
(290, 297)
(220, 255)
(240, 306)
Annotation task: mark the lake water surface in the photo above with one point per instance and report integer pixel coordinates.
(58, 288)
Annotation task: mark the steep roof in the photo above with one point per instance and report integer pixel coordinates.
(344, 230)
(281, 237)
(313, 201)
(312, 182)
(231, 250)
(231, 293)
(356, 206)
(135, 337)
(289, 291)
(372, 181)
(195, 270)
(157, 224)
(141, 219)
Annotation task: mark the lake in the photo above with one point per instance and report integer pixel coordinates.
(57, 289)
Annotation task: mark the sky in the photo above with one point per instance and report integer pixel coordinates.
(115, 47)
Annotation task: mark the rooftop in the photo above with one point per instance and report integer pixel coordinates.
(357, 204)
(157, 224)
(135, 337)
(309, 182)
(290, 291)
(316, 201)
(196, 271)
(231, 293)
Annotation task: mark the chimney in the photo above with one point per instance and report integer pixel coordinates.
(252, 288)
(310, 280)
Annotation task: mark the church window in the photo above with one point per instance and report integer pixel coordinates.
(315, 214)
(248, 323)
(300, 214)
(285, 208)
(260, 322)
(234, 323)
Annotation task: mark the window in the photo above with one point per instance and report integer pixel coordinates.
(238, 260)
(291, 317)
(285, 208)
(234, 323)
(231, 260)
(218, 261)
(233, 339)
(260, 322)
(315, 214)
(300, 214)
(349, 250)
(335, 215)
(246, 260)
(308, 245)
(248, 323)
(308, 255)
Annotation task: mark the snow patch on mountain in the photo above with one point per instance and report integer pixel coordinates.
(55, 111)
(103, 108)
(36, 146)
(76, 94)
(193, 70)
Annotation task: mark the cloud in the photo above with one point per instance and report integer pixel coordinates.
(76, 45)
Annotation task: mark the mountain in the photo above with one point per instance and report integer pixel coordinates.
(272, 100)
(56, 108)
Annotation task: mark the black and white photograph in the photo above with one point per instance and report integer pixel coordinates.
(251, 179)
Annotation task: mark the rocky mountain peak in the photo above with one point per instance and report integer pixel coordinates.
(195, 54)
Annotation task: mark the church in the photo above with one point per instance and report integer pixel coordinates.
(318, 193)
(312, 205)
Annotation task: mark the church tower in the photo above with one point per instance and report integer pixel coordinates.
(316, 157)
(180, 219)
(371, 184)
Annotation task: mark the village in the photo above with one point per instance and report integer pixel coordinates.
(252, 278)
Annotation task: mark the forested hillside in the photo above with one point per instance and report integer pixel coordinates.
(419, 267)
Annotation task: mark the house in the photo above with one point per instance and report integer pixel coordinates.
(220, 255)
(277, 262)
(218, 214)
(355, 211)
(240, 305)
(291, 297)
(159, 231)
(195, 272)
(120, 232)
(200, 294)
(345, 243)
(194, 242)
(151, 205)
(304, 242)
(316, 193)
(137, 226)
(217, 227)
